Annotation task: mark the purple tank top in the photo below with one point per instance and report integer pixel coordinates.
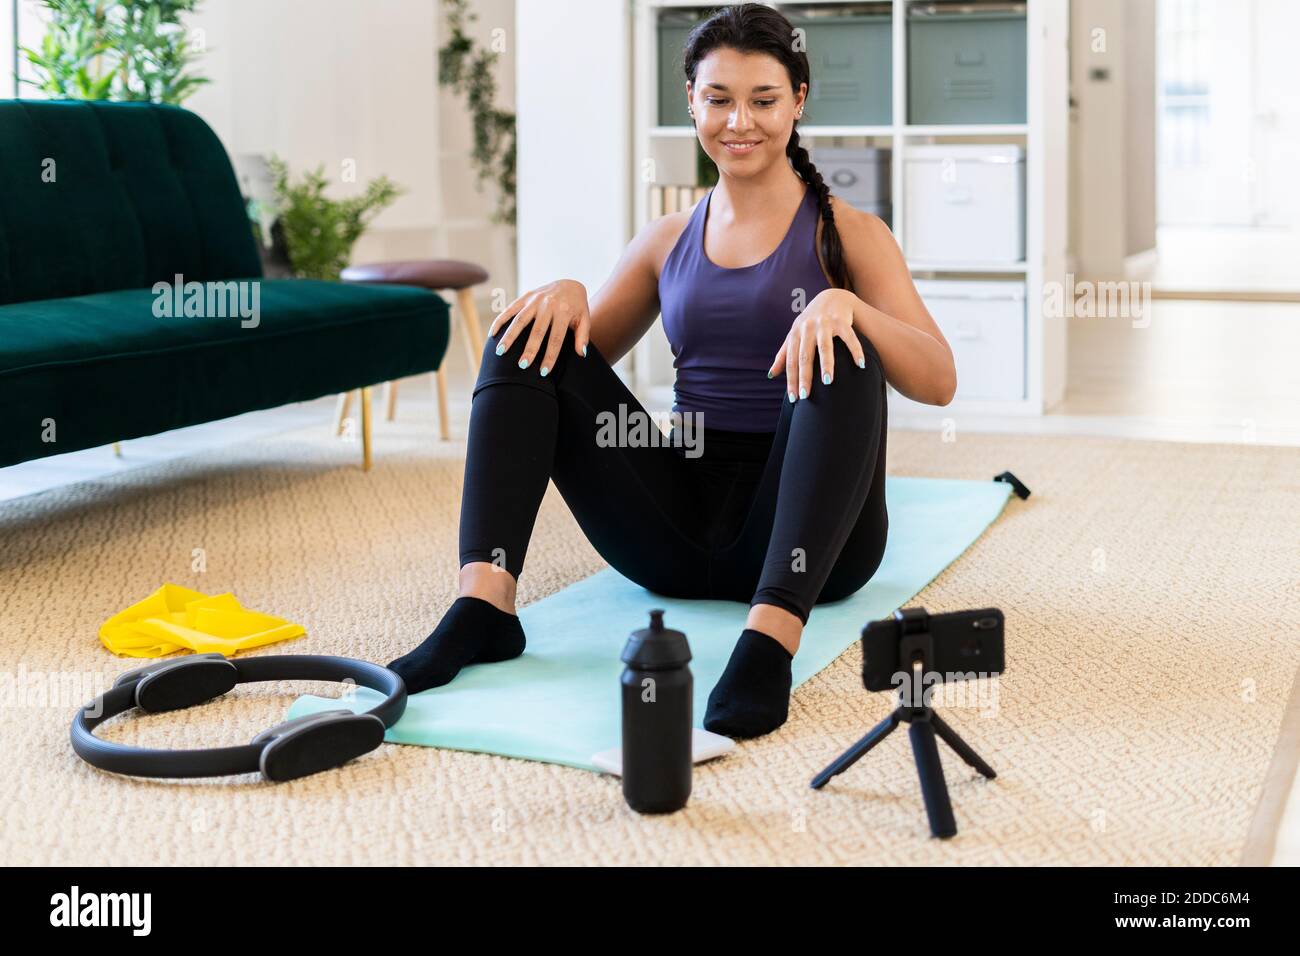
(725, 325)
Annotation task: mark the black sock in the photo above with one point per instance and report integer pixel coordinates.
(752, 697)
(473, 631)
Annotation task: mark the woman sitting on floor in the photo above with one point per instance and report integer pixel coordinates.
(787, 311)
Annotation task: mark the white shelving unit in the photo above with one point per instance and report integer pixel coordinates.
(1043, 136)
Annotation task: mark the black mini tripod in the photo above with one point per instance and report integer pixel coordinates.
(916, 649)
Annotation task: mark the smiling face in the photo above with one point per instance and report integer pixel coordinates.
(744, 109)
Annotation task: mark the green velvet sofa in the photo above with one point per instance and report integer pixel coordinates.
(102, 207)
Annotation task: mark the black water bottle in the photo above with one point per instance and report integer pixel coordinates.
(657, 689)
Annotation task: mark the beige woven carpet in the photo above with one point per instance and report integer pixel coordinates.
(1152, 622)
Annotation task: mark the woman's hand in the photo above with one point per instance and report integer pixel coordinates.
(555, 308)
(827, 317)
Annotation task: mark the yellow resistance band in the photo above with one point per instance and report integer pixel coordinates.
(174, 618)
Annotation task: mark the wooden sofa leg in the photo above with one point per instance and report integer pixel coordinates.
(365, 428)
(390, 401)
(341, 412)
(117, 449)
(440, 391)
(470, 327)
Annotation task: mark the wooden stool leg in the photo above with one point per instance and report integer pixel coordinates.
(440, 391)
(365, 429)
(469, 325)
(390, 401)
(341, 411)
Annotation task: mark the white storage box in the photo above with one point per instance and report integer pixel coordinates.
(965, 204)
(984, 323)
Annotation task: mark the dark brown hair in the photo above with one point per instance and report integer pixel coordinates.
(756, 28)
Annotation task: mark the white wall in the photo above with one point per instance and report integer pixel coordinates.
(574, 96)
(6, 46)
(329, 81)
(333, 80)
(30, 27)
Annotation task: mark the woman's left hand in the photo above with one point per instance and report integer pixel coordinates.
(827, 317)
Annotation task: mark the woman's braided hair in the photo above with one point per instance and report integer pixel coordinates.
(757, 28)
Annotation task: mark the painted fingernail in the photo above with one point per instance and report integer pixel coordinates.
(769, 374)
(544, 371)
(584, 351)
(862, 363)
(803, 392)
(826, 379)
(523, 363)
(792, 398)
(501, 350)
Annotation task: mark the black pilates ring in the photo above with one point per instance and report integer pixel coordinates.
(295, 748)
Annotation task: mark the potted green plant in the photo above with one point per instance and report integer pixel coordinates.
(310, 232)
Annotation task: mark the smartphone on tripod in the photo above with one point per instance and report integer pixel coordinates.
(965, 643)
(958, 645)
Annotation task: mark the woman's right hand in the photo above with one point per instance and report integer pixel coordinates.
(553, 308)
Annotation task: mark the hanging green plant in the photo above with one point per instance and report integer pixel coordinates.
(466, 67)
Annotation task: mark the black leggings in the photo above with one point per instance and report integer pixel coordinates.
(790, 518)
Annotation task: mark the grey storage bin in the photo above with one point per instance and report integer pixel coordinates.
(851, 57)
(858, 175)
(966, 65)
(674, 27)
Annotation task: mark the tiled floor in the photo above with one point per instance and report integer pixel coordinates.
(1215, 260)
(1200, 371)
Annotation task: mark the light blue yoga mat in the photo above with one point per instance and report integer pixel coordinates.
(559, 702)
